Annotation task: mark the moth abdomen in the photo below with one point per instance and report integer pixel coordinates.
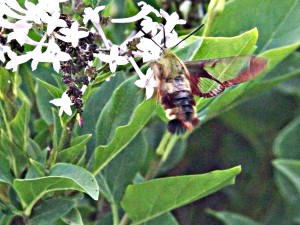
(180, 109)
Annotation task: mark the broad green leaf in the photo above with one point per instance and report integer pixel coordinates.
(44, 106)
(38, 168)
(15, 155)
(43, 136)
(51, 210)
(229, 218)
(221, 47)
(118, 111)
(5, 173)
(53, 91)
(119, 173)
(287, 176)
(165, 219)
(289, 66)
(287, 143)
(241, 15)
(19, 126)
(62, 177)
(73, 217)
(77, 150)
(158, 196)
(120, 121)
(95, 104)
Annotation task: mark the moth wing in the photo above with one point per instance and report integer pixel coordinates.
(210, 77)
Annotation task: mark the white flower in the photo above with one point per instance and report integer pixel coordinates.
(171, 20)
(146, 81)
(36, 55)
(113, 58)
(148, 49)
(54, 55)
(34, 12)
(146, 9)
(173, 39)
(72, 34)
(64, 103)
(21, 29)
(16, 60)
(3, 49)
(53, 21)
(92, 14)
(51, 6)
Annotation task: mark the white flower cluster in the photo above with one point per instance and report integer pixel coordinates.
(47, 13)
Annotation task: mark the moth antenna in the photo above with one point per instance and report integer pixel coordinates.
(147, 35)
(164, 32)
(190, 34)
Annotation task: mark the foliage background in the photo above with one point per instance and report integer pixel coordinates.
(255, 125)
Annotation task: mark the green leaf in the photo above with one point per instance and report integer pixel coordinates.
(51, 210)
(44, 106)
(165, 219)
(5, 173)
(77, 150)
(287, 176)
(73, 218)
(291, 86)
(16, 156)
(119, 173)
(117, 125)
(95, 104)
(220, 47)
(19, 126)
(229, 218)
(38, 168)
(287, 143)
(158, 196)
(247, 14)
(62, 177)
(43, 136)
(53, 91)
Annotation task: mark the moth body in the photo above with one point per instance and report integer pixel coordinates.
(175, 92)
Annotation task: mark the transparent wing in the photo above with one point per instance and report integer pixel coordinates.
(210, 77)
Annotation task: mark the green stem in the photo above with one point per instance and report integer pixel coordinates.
(125, 220)
(115, 214)
(162, 145)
